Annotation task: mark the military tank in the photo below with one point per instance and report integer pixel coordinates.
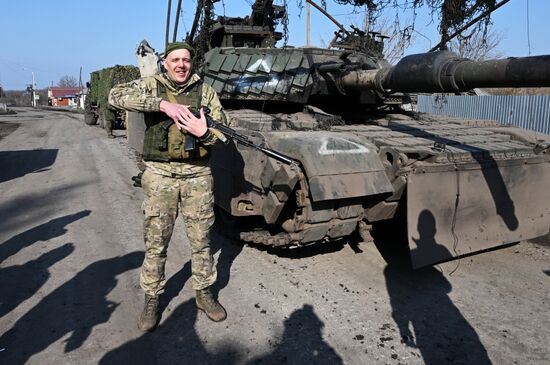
(460, 186)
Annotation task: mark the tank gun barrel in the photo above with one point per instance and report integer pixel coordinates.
(445, 71)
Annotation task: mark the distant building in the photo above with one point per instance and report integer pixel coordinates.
(63, 96)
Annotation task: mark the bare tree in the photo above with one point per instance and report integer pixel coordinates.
(477, 46)
(398, 41)
(67, 81)
(451, 14)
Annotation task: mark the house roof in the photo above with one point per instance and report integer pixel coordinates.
(64, 92)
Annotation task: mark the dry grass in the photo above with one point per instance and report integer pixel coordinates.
(519, 91)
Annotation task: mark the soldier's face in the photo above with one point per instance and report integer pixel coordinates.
(178, 65)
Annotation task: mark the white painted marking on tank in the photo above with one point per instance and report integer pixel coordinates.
(257, 82)
(256, 65)
(335, 145)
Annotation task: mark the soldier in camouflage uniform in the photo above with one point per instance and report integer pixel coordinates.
(175, 176)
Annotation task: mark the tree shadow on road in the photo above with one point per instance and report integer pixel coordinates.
(21, 282)
(20, 163)
(75, 307)
(420, 302)
(44, 232)
(30, 206)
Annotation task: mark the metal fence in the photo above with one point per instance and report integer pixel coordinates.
(526, 111)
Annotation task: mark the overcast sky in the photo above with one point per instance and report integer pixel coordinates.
(57, 37)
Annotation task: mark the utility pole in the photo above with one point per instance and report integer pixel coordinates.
(32, 90)
(80, 79)
(308, 35)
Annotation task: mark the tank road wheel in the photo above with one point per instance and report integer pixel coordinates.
(235, 228)
(90, 118)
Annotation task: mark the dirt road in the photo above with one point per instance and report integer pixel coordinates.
(71, 247)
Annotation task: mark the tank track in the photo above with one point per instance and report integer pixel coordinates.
(264, 237)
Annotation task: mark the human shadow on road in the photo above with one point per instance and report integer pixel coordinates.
(229, 250)
(175, 341)
(53, 228)
(174, 285)
(302, 342)
(20, 163)
(74, 308)
(420, 302)
(20, 282)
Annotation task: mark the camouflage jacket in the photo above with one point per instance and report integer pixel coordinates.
(141, 96)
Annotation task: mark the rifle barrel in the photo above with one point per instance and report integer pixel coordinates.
(242, 139)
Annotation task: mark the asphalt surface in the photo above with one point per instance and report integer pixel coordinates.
(71, 247)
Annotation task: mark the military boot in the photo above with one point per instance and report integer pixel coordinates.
(150, 315)
(209, 305)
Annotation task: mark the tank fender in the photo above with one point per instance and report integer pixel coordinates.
(337, 165)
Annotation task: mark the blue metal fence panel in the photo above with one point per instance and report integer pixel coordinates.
(525, 111)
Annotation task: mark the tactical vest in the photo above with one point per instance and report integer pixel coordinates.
(168, 145)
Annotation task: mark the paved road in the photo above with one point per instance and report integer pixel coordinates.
(71, 247)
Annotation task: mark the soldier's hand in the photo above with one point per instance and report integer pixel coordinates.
(173, 111)
(184, 119)
(192, 124)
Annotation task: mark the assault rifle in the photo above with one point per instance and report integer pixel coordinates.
(230, 133)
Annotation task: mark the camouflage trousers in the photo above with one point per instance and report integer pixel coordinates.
(163, 196)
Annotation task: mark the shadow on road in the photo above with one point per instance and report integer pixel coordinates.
(74, 308)
(229, 250)
(44, 232)
(7, 128)
(315, 249)
(21, 282)
(20, 163)
(176, 341)
(302, 342)
(35, 206)
(421, 304)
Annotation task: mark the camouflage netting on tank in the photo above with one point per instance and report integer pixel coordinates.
(452, 13)
(103, 80)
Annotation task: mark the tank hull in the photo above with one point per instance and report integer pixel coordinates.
(465, 186)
